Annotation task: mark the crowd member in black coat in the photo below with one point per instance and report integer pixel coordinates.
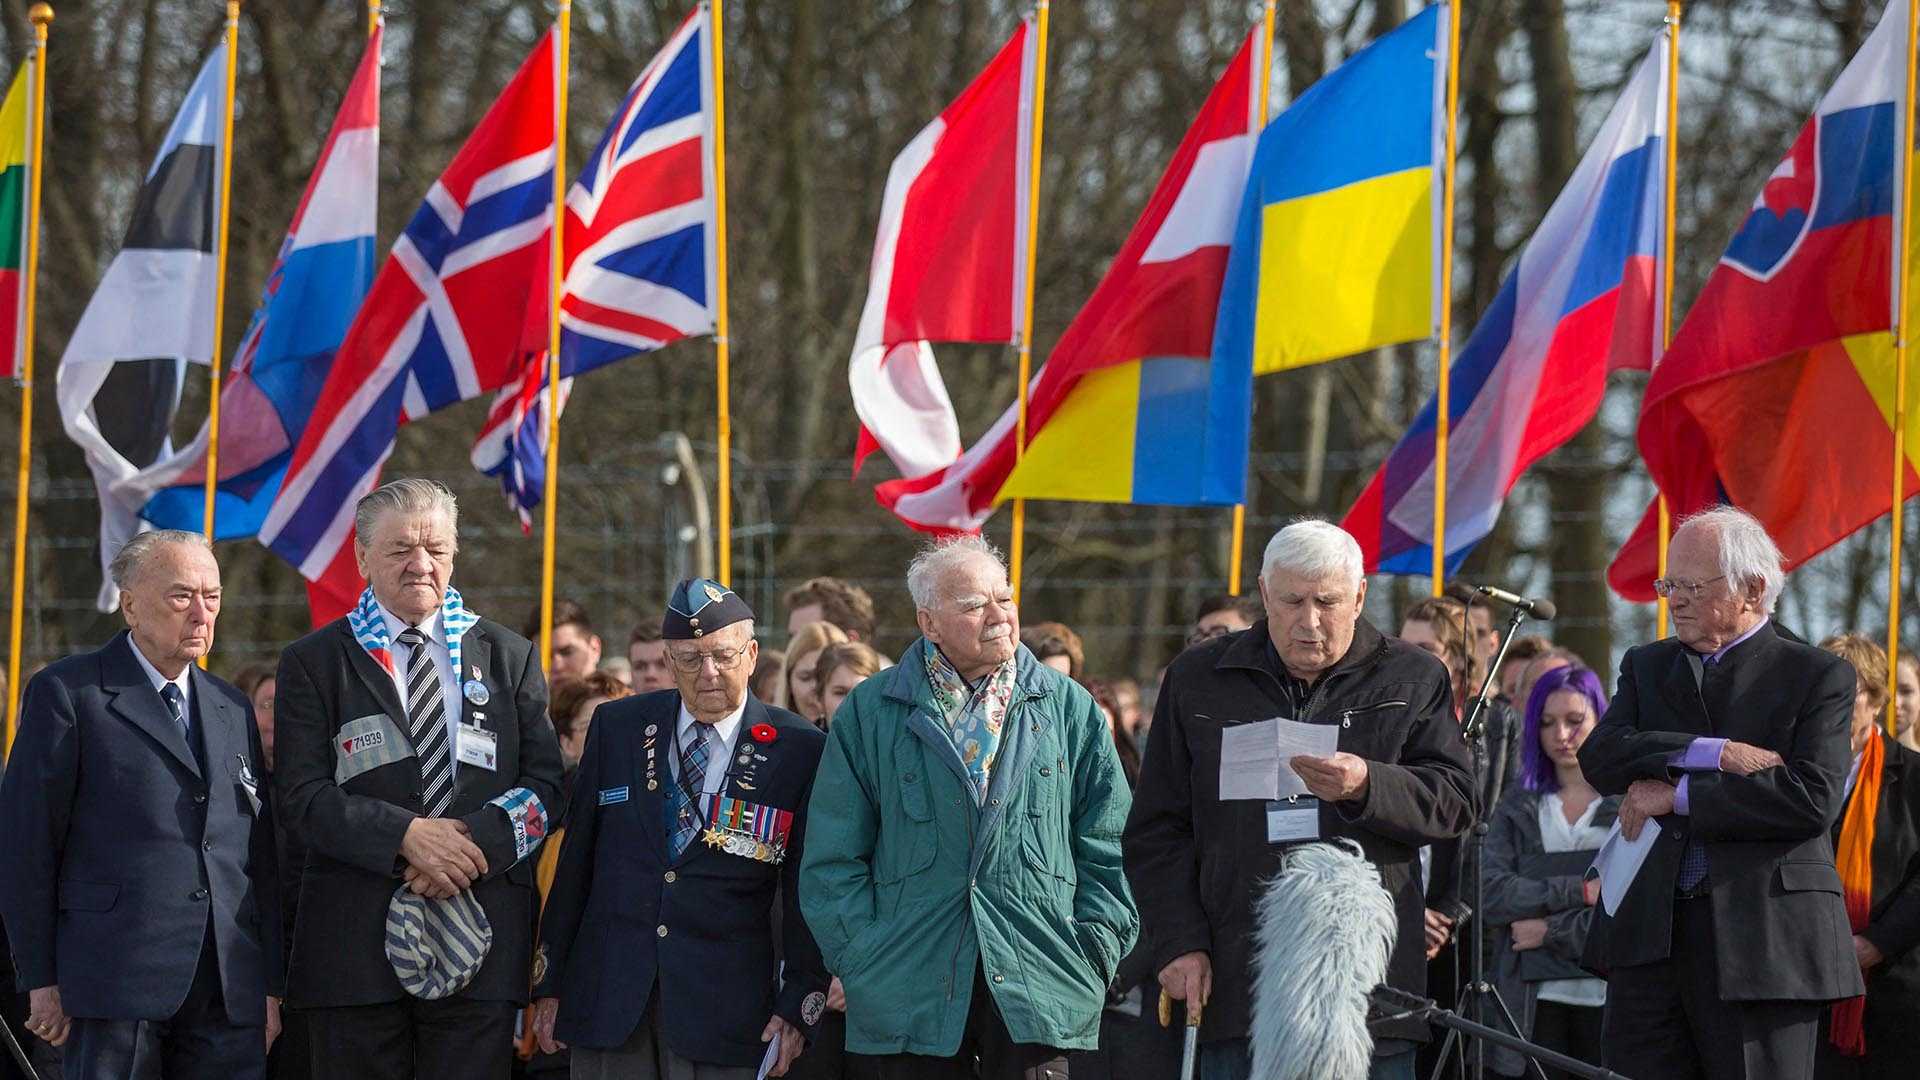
(657, 947)
(1732, 937)
(443, 789)
(137, 864)
(1401, 778)
(1883, 792)
(1539, 903)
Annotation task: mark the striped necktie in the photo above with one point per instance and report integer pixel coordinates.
(427, 724)
(693, 775)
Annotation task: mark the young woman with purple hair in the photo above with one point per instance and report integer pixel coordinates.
(1543, 836)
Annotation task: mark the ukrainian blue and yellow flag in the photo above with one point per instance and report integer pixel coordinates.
(1335, 249)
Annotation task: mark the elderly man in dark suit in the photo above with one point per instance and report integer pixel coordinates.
(414, 756)
(680, 867)
(137, 863)
(1734, 739)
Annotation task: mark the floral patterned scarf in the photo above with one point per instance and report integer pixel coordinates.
(974, 714)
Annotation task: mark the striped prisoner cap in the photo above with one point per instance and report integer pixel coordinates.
(436, 946)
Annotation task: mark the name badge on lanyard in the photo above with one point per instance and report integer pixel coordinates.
(478, 746)
(1292, 820)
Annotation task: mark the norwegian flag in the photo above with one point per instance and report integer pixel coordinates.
(441, 324)
(638, 253)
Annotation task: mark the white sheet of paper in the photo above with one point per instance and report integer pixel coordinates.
(770, 1058)
(1619, 861)
(1292, 737)
(1250, 761)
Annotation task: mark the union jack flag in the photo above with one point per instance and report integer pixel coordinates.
(442, 324)
(638, 254)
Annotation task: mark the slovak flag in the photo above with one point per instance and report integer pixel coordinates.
(442, 324)
(946, 263)
(638, 255)
(1119, 411)
(1777, 394)
(1583, 301)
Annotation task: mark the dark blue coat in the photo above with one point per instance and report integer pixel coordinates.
(123, 844)
(622, 919)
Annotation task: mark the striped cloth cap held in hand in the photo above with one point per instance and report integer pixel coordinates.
(436, 946)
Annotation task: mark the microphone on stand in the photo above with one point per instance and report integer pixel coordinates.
(1539, 609)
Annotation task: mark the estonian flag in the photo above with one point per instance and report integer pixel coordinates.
(120, 377)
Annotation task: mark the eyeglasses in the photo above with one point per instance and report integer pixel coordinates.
(1208, 633)
(1668, 586)
(723, 659)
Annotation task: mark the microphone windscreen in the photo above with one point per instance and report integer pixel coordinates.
(1544, 609)
(1324, 930)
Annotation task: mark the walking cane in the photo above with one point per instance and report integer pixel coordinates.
(1190, 1042)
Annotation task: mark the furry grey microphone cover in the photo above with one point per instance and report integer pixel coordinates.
(1324, 931)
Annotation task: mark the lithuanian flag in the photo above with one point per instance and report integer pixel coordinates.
(13, 218)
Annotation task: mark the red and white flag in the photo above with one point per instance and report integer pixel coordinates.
(1158, 298)
(946, 262)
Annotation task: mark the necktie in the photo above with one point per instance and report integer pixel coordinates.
(1693, 857)
(693, 773)
(177, 705)
(427, 724)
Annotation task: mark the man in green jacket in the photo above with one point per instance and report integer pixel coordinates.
(962, 872)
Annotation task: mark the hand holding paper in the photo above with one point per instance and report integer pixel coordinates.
(1256, 759)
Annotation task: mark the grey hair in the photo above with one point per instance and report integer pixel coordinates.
(133, 554)
(938, 558)
(1314, 548)
(1747, 553)
(411, 495)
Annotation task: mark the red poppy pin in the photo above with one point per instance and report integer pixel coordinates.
(763, 733)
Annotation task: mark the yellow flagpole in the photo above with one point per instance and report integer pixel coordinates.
(41, 15)
(1237, 552)
(1016, 553)
(555, 268)
(1445, 300)
(1666, 269)
(373, 16)
(220, 272)
(722, 374)
(1901, 265)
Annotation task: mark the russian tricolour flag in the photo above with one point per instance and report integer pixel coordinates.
(1582, 301)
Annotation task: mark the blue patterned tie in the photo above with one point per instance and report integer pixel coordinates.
(1693, 857)
(177, 705)
(693, 772)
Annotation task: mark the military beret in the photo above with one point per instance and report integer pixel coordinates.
(699, 607)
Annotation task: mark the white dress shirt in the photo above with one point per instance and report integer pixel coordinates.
(442, 660)
(158, 680)
(719, 747)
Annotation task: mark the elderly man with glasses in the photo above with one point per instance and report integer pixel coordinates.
(1727, 944)
(681, 862)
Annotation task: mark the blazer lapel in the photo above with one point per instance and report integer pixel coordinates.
(218, 726)
(375, 677)
(138, 703)
(476, 655)
(1682, 692)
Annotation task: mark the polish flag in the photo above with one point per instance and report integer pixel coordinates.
(946, 263)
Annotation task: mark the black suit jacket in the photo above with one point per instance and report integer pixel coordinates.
(1783, 931)
(1893, 919)
(123, 843)
(350, 820)
(616, 890)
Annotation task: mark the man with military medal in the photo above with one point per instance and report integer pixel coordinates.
(685, 833)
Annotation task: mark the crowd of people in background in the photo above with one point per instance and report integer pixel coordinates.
(1520, 774)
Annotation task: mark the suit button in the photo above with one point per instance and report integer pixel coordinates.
(206, 845)
(999, 978)
(199, 797)
(662, 931)
(671, 878)
(1044, 771)
(198, 894)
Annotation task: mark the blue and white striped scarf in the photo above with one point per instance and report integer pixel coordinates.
(369, 626)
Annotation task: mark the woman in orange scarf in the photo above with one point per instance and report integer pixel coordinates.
(1877, 850)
